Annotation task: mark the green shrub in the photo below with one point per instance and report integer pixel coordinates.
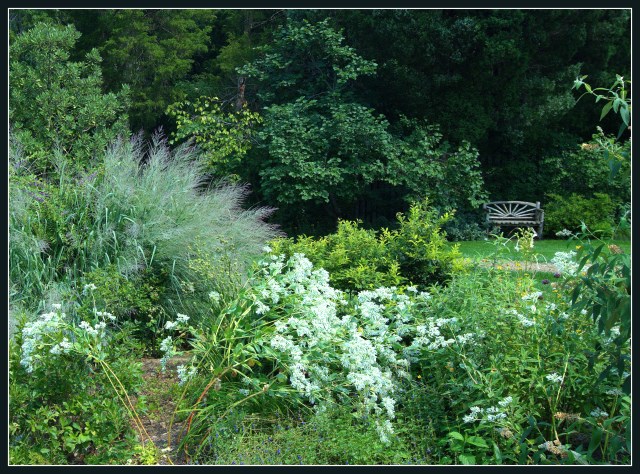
(57, 103)
(420, 247)
(69, 389)
(528, 386)
(584, 170)
(356, 258)
(360, 259)
(569, 212)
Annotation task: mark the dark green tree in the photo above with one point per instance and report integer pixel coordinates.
(496, 78)
(321, 148)
(56, 103)
(327, 154)
(150, 50)
(235, 35)
(493, 78)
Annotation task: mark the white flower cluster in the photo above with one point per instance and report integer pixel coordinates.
(492, 414)
(564, 233)
(599, 413)
(554, 378)
(555, 313)
(523, 320)
(105, 314)
(261, 308)
(181, 320)
(565, 262)
(63, 347)
(505, 401)
(185, 375)
(429, 336)
(166, 346)
(169, 325)
(51, 334)
(384, 429)
(317, 322)
(613, 334)
(547, 445)
(99, 330)
(532, 296)
(329, 342)
(33, 335)
(615, 391)
(476, 413)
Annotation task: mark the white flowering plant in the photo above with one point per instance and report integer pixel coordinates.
(61, 364)
(52, 336)
(501, 356)
(291, 337)
(532, 347)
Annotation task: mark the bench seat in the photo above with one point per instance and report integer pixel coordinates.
(515, 213)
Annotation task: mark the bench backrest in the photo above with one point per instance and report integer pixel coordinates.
(515, 210)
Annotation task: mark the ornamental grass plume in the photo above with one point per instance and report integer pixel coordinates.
(164, 205)
(148, 208)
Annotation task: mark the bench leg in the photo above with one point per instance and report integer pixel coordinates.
(540, 230)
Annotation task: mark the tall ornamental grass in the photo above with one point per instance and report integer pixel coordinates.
(146, 209)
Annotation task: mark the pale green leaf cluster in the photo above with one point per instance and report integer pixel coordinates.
(223, 135)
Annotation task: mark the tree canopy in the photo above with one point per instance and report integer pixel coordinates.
(324, 112)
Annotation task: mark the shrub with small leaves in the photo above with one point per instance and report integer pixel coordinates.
(360, 259)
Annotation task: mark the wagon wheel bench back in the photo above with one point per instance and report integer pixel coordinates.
(515, 213)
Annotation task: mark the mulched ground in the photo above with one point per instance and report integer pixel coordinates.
(157, 424)
(519, 265)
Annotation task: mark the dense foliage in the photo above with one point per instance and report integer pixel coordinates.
(415, 253)
(493, 366)
(569, 213)
(492, 78)
(362, 336)
(147, 221)
(58, 103)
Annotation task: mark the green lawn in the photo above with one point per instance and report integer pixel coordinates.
(544, 250)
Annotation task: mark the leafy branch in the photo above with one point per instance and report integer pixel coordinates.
(616, 97)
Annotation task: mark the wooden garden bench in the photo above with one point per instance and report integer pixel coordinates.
(515, 213)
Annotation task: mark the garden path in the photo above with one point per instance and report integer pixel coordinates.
(532, 266)
(157, 419)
